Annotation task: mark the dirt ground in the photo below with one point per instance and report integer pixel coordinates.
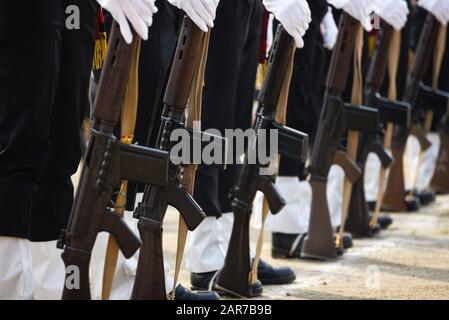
(408, 261)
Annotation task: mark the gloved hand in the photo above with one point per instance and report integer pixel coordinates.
(439, 8)
(358, 9)
(202, 12)
(394, 12)
(294, 15)
(138, 12)
(330, 31)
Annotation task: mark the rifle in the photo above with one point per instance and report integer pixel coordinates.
(353, 135)
(396, 197)
(106, 163)
(336, 117)
(188, 180)
(127, 127)
(235, 276)
(150, 281)
(432, 101)
(390, 113)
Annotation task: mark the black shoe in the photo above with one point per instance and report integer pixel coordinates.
(376, 229)
(347, 241)
(208, 281)
(425, 197)
(384, 221)
(182, 293)
(413, 203)
(287, 246)
(267, 274)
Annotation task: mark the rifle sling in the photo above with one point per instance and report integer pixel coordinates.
(353, 136)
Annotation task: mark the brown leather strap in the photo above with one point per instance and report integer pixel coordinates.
(357, 83)
(439, 55)
(280, 117)
(353, 136)
(393, 64)
(193, 119)
(128, 124)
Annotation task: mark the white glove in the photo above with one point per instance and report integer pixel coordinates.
(138, 12)
(294, 15)
(330, 31)
(202, 12)
(394, 12)
(358, 9)
(439, 8)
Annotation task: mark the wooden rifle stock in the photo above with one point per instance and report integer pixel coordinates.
(395, 195)
(150, 281)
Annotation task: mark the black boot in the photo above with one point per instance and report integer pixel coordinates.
(182, 293)
(413, 203)
(286, 246)
(425, 196)
(208, 281)
(384, 221)
(267, 274)
(347, 240)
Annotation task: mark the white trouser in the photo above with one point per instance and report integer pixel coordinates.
(207, 246)
(48, 270)
(371, 177)
(427, 165)
(36, 270)
(294, 218)
(16, 278)
(411, 158)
